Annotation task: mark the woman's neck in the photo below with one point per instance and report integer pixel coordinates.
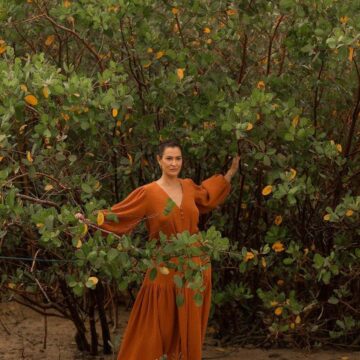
(168, 180)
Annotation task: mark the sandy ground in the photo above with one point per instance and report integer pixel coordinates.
(22, 337)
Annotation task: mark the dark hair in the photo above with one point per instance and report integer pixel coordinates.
(167, 144)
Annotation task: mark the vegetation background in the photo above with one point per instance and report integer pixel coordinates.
(87, 91)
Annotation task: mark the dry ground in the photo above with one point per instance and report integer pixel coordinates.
(22, 337)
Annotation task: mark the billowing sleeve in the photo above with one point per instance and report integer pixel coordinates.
(211, 192)
(129, 212)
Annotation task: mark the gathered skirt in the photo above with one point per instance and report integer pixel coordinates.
(158, 329)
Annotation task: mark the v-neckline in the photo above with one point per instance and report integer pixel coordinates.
(167, 194)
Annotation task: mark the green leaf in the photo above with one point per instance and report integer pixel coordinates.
(178, 281)
(153, 273)
(180, 300)
(168, 207)
(198, 298)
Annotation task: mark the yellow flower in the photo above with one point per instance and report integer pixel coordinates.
(146, 65)
(93, 279)
(31, 100)
(263, 262)
(164, 270)
(349, 212)
(344, 19)
(29, 157)
(175, 10)
(160, 54)
(249, 255)
(258, 117)
(114, 112)
(67, 3)
(49, 40)
(209, 41)
(249, 126)
(291, 174)
(351, 54)
(231, 12)
(326, 217)
(46, 92)
(292, 326)
(278, 220)
(66, 117)
(339, 148)
(267, 190)
(207, 30)
(23, 88)
(149, 50)
(78, 244)
(48, 187)
(261, 85)
(278, 311)
(85, 230)
(295, 121)
(2, 46)
(40, 225)
(278, 246)
(273, 303)
(180, 73)
(100, 218)
(298, 320)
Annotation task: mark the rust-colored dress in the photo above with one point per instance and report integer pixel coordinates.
(157, 327)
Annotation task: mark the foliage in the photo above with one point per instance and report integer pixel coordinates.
(89, 88)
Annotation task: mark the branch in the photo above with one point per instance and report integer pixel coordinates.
(271, 43)
(38, 201)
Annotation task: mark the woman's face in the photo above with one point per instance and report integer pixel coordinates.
(171, 161)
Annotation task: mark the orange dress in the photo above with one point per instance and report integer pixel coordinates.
(157, 328)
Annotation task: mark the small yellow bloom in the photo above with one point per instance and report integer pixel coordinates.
(31, 100)
(292, 326)
(261, 85)
(85, 230)
(67, 3)
(207, 30)
(40, 225)
(23, 88)
(267, 190)
(339, 148)
(295, 120)
(298, 319)
(249, 126)
(344, 19)
(180, 73)
(46, 92)
(351, 54)
(258, 117)
(263, 262)
(278, 220)
(149, 50)
(146, 65)
(29, 157)
(2, 46)
(278, 311)
(48, 187)
(164, 270)
(249, 255)
(291, 174)
(93, 279)
(100, 218)
(49, 40)
(326, 217)
(114, 112)
(160, 54)
(209, 41)
(278, 246)
(349, 212)
(78, 244)
(66, 117)
(273, 303)
(231, 12)
(175, 10)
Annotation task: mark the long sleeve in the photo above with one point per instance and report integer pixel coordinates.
(129, 212)
(211, 192)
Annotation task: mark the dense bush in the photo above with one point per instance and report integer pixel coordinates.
(89, 88)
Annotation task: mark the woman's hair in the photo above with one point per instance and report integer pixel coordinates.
(166, 144)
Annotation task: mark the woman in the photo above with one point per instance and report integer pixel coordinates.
(157, 328)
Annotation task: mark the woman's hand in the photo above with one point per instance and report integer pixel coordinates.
(233, 168)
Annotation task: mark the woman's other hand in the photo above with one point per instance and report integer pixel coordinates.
(233, 168)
